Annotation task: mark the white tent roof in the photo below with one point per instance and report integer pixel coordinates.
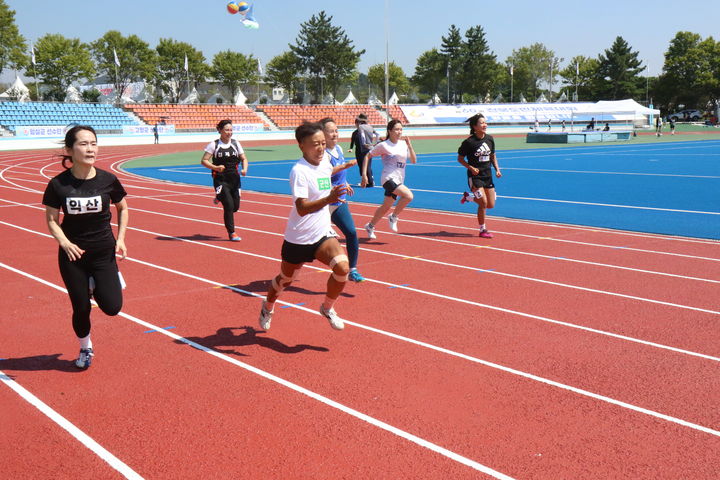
(393, 99)
(350, 99)
(240, 98)
(17, 90)
(72, 95)
(628, 106)
(191, 98)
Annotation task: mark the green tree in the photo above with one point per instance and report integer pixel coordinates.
(710, 76)
(137, 60)
(688, 74)
(232, 69)
(451, 48)
(62, 61)
(618, 73)
(397, 81)
(171, 76)
(533, 65)
(429, 72)
(479, 71)
(581, 72)
(326, 54)
(284, 71)
(12, 44)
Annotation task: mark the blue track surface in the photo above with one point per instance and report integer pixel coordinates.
(669, 188)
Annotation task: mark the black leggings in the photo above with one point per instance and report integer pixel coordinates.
(227, 191)
(101, 265)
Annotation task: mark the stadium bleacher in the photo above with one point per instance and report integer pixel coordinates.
(100, 116)
(290, 116)
(194, 116)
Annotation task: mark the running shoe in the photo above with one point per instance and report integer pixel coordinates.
(355, 276)
(485, 234)
(234, 237)
(393, 219)
(265, 317)
(85, 358)
(335, 321)
(465, 198)
(370, 231)
(215, 201)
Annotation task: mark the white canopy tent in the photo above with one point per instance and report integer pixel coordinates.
(240, 98)
(627, 110)
(17, 91)
(350, 99)
(393, 99)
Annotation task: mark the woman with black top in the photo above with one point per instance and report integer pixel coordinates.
(223, 156)
(87, 246)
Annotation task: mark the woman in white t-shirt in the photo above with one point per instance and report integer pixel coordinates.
(395, 152)
(308, 235)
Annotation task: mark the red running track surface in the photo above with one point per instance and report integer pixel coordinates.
(548, 352)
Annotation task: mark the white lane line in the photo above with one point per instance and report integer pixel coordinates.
(403, 287)
(529, 376)
(78, 434)
(295, 387)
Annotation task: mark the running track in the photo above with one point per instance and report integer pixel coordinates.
(548, 352)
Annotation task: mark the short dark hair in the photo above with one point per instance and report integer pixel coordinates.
(325, 121)
(474, 121)
(307, 129)
(71, 138)
(221, 124)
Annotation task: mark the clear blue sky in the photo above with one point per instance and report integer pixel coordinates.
(568, 28)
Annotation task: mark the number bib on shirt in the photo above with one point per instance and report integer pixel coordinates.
(80, 205)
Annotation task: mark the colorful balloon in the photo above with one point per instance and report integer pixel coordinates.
(242, 7)
(233, 7)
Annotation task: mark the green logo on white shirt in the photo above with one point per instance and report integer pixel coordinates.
(324, 183)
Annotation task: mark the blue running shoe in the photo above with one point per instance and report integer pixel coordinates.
(355, 276)
(85, 359)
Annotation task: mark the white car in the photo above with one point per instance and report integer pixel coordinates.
(685, 115)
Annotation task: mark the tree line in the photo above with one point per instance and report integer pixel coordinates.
(323, 60)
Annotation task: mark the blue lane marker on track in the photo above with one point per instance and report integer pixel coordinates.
(293, 305)
(558, 258)
(164, 328)
(403, 285)
(483, 270)
(618, 248)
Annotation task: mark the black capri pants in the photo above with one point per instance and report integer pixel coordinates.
(227, 191)
(102, 266)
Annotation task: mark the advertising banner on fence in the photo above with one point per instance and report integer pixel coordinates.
(147, 129)
(38, 131)
(495, 113)
(248, 127)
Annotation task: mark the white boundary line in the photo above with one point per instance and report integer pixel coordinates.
(297, 388)
(360, 415)
(78, 434)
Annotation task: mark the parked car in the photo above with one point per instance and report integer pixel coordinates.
(686, 115)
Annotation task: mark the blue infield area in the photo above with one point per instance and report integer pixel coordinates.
(669, 188)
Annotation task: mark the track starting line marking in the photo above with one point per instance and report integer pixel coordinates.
(164, 328)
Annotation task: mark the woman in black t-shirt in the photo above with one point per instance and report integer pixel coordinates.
(224, 156)
(477, 155)
(87, 246)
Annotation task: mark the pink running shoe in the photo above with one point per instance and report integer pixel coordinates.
(465, 198)
(485, 234)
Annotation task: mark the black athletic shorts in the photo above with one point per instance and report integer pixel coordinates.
(295, 253)
(390, 187)
(484, 179)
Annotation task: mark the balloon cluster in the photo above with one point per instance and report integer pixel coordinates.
(246, 13)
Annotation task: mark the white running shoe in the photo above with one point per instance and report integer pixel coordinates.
(393, 219)
(335, 321)
(84, 360)
(265, 317)
(370, 231)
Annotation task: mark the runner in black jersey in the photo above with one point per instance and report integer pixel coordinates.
(477, 155)
(223, 156)
(87, 246)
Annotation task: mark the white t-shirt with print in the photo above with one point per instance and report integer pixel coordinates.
(394, 158)
(311, 182)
